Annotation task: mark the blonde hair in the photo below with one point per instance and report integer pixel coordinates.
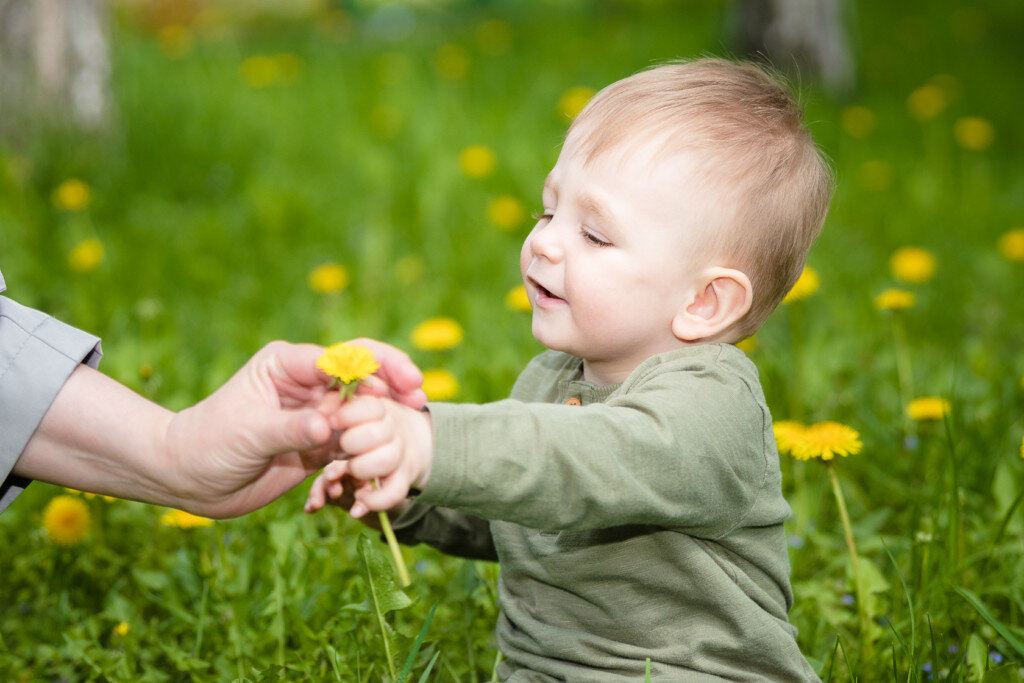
(772, 185)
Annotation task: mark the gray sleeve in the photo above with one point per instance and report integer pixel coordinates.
(37, 355)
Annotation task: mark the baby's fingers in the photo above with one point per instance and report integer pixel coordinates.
(356, 411)
(317, 497)
(367, 437)
(390, 492)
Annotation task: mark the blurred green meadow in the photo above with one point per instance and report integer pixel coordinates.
(355, 169)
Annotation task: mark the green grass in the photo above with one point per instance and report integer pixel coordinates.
(214, 201)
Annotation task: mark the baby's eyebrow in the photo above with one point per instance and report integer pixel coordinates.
(590, 205)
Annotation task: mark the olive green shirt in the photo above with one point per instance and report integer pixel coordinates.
(641, 520)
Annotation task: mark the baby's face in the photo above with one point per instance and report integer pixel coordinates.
(611, 262)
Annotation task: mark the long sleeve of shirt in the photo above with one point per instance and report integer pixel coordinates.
(676, 445)
(37, 355)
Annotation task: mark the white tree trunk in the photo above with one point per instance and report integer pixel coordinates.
(54, 62)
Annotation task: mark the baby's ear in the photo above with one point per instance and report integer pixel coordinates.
(723, 296)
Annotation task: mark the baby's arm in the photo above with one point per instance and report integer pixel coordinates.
(387, 443)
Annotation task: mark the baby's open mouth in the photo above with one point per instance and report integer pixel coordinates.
(544, 291)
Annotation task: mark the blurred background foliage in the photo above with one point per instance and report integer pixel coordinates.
(316, 171)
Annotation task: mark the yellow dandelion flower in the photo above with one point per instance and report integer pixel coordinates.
(826, 440)
(184, 520)
(86, 256)
(1011, 245)
(494, 37)
(260, 71)
(895, 300)
(477, 161)
(806, 285)
(912, 264)
(858, 121)
(517, 299)
(72, 195)
(876, 175)
(452, 62)
(66, 520)
(926, 102)
(437, 334)
(328, 278)
(121, 629)
(347, 362)
(787, 433)
(573, 100)
(974, 133)
(175, 41)
(928, 408)
(506, 212)
(1022, 447)
(440, 385)
(747, 345)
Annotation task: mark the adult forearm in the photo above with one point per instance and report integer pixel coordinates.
(100, 436)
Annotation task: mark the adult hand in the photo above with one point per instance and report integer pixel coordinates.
(256, 437)
(261, 434)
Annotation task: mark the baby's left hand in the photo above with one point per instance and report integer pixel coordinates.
(387, 442)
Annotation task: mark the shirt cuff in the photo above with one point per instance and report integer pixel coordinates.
(37, 355)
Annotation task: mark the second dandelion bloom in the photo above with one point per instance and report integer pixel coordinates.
(928, 408)
(477, 161)
(66, 520)
(437, 334)
(328, 278)
(913, 265)
(825, 440)
(806, 285)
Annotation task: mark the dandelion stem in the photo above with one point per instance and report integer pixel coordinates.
(851, 545)
(904, 372)
(396, 552)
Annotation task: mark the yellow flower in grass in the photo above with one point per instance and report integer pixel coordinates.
(1022, 447)
(927, 102)
(858, 121)
(573, 100)
(121, 629)
(184, 520)
(895, 300)
(440, 385)
(928, 408)
(974, 133)
(66, 520)
(347, 362)
(72, 195)
(452, 62)
(1011, 245)
(747, 345)
(912, 264)
(787, 433)
(825, 440)
(477, 161)
(806, 285)
(437, 334)
(328, 278)
(86, 256)
(506, 212)
(517, 299)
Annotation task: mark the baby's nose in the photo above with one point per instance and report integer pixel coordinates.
(545, 243)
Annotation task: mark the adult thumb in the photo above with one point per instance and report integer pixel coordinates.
(284, 431)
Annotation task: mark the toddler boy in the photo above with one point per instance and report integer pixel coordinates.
(630, 487)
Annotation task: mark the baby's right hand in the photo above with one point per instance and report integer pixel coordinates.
(389, 448)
